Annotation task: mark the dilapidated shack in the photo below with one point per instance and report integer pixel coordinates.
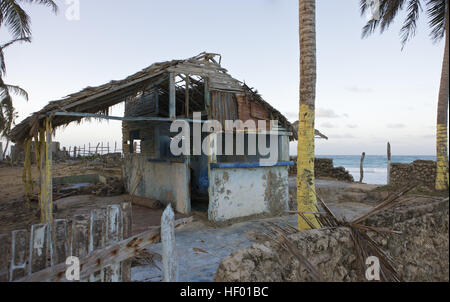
(195, 90)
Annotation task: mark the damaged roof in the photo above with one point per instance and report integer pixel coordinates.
(98, 100)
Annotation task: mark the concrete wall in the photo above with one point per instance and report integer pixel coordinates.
(241, 192)
(164, 181)
(422, 172)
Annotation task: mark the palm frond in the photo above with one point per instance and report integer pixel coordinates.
(389, 10)
(6, 45)
(16, 19)
(48, 3)
(17, 91)
(409, 26)
(436, 11)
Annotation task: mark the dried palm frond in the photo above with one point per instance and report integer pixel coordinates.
(364, 245)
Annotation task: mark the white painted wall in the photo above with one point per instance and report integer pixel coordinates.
(241, 192)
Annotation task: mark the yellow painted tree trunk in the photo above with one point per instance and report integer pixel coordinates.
(306, 196)
(442, 119)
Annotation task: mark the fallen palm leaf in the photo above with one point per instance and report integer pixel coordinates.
(364, 245)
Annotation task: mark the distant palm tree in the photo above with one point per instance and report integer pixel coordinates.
(16, 19)
(438, 15)
(306, 195)
(7, 113)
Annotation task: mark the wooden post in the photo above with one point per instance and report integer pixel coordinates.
(97, 238)
(80, 237)
(18, 265)
(127, 225)
(60, 242)
(4, 257)
(96, 149)
(172, 97)
(361, 167)
(75, 152)
(186, 102)
(39, 249)
(114, 233)
(207, 96)
(388, 163)
(46, 179)
(169, 257)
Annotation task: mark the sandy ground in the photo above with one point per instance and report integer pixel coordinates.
(14, 212)
(201, 248)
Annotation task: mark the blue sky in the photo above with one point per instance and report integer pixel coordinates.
(368, 91)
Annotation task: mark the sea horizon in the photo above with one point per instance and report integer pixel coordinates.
(375, 166)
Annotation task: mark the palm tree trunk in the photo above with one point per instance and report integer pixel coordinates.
(306, 196)
(442, 176)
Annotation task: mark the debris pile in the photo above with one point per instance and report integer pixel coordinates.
(109, 186)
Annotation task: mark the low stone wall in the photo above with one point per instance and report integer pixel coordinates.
(18, 153)
(324, 167)
(422, 172)
(421, 251)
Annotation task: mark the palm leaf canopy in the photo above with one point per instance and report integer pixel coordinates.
(16, 19)
(389, 9)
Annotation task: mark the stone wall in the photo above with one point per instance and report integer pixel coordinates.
(422, 172)
(421, 251)
(324, 167)
(18, 153)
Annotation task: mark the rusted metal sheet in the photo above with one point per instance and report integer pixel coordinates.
(249, 110)
(223, 106)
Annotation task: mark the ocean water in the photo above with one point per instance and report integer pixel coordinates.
(375, 166)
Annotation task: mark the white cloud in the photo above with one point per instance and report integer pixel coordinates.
(328, 125)
(326, 113)
(341, 136)
(357, 89)
(395, 126)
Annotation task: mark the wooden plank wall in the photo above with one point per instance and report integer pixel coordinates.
(46, 245)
